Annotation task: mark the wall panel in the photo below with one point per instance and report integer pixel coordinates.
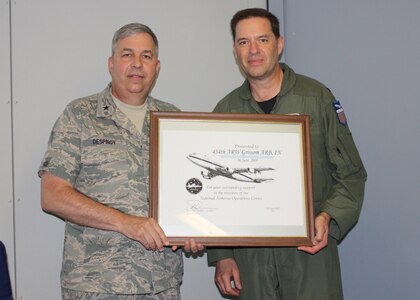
(6, 187)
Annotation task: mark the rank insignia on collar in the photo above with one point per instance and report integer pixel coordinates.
(339, 111)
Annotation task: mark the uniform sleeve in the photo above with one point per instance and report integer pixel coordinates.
(345, 199)
(219, 108)
(62, 157)
(216, 254)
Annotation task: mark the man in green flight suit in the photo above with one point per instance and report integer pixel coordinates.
(338, 174)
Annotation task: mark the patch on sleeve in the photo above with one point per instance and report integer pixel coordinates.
(339, 111)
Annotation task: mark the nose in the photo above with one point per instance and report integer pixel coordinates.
(253, 47)
(137, 61)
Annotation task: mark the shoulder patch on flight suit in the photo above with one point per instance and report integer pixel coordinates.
(339, 111)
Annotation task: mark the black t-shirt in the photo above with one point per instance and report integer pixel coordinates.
(268, 105)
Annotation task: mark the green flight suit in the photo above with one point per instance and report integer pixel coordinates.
(338, 186)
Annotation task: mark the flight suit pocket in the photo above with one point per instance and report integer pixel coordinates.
(350, 150)
(345, 155)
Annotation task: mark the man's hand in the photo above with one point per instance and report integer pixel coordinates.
(320, 240)
(226, 271)
(190, 246)
(145, 230)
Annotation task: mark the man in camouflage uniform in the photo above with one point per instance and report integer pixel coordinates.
(338, 173)
(95, 177)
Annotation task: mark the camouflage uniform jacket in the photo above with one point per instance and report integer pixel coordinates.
(96, 148)
(338, 172)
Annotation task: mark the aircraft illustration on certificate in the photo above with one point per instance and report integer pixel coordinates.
(214, 169)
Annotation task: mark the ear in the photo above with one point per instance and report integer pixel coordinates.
(280, 45)
(110, 64)
(158, 67)
(234, 53)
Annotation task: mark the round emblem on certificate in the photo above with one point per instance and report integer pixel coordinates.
(194, 186)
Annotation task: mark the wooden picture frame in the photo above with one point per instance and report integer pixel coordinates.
(232, 179)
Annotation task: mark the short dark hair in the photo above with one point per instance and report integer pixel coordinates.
(255, 13)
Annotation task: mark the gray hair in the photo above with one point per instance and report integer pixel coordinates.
(133, 29)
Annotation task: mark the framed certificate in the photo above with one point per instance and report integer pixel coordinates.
(232, 179)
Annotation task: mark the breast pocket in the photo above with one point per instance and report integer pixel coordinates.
(104, 167)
